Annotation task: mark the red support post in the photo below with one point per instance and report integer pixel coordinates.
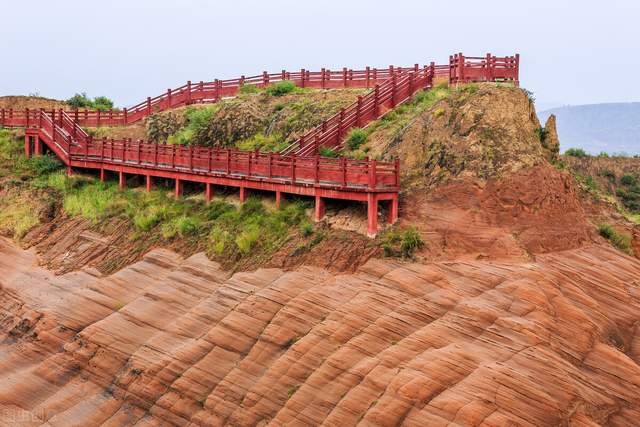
(149, 183)
(278, 199)
(392, 215)
(319, 208)
(103, 175)
(37, 145)
(208, 192)
(178, 191)
(27, 145)
(243, 194)
(121, 180)
(372, 214)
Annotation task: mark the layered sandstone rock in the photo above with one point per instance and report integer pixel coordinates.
(172, 341)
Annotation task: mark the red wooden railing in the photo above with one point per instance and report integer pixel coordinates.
(323, 172)
(460, 69)
(395, 91)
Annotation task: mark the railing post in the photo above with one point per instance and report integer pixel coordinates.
(98, 118)
(188, 100)
(250, 154)
(26, 115)
(317, 168)
(368, 75)
(265, 79)
(293, 169)
(216, 92)
(270, 165)
(344, 76)
(393, 90)
(397, 172)
(155, 154)
(340, 120)
(191, 157)
(358, 110)
(228, 162)
(210, 151)
(372, 173)
(322, 71)
(168, 98)
(148, 106)
(139, 151)
(343, 169)
(302, 76)
(124, 112)
(432, 73)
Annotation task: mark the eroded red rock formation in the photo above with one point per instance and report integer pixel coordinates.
(172, 341)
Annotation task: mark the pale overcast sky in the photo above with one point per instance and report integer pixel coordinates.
(572, 52)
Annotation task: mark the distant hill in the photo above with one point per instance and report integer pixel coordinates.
(611, 127)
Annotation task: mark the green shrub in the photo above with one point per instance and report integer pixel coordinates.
(145, 221)
(610, 175)
(628, 180)
(411, 241)
(42, 165)
(271, 143)
(401, 243)
(102, 103)
(188, 225)
(306, 229)
(542, 134)
(182, 226)
(196, 119)
(248, 238)
(80, 100)
(576, 152)
(248, 89)
(356, 138)
(620, 241)
(281, 88)
(328, 152)
(603, 154)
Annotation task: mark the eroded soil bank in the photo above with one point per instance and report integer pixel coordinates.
(174, 341)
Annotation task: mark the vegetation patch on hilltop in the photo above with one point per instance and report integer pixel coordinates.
(265, 119)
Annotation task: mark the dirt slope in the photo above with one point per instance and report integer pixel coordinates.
(31, 102)
(170, 341)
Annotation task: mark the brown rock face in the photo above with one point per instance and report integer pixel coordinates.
(529, 212)
(172, 341)
(550, 139)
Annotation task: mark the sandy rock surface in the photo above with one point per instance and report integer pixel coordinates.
(172, 341)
